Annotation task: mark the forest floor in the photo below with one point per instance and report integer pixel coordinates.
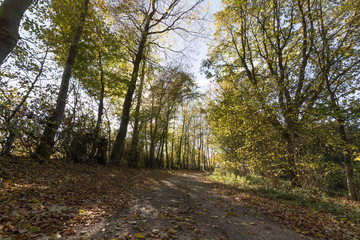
(74, 201)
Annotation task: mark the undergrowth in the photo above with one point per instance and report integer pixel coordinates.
(340, 207)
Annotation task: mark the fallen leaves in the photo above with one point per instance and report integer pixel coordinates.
(305, 221)
(43, 201)
(139, 236)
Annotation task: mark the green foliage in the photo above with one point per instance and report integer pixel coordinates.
(285, 104)
(286, 193)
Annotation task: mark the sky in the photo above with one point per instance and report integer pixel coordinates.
(215, 6)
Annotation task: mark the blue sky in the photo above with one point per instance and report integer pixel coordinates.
(215, 6)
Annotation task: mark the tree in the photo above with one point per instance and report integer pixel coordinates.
(338, 59)
(45, 147)
(157, 17)
(11, 13)
(133, 159)
(12, 121)
(286, 69)
(268, 44)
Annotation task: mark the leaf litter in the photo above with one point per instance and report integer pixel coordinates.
(57, 200)
(308, 222)
(47, 201)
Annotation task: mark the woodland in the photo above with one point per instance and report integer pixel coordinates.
(95, 93)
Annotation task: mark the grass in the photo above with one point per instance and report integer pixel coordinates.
(340, 207)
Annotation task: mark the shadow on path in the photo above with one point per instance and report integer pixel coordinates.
(183, 207)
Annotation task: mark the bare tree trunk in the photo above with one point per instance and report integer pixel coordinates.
(167, 165)
(199, 153)
(172, 148)
(133, 161)
(348, 164)
(109, 135)
(180, 144)
(193, 155)
(153, 131)
(119, 144)
(163, 137)
(45, 148)
(187, 150)
(146, 143)
(96, 139)
(11, 13)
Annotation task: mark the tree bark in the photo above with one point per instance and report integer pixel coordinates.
(119, 144)
(153, 131)
(325, 56)
(180, 160)
(346, 148)
(133, 161)
(200, 147)
(11, 13)
(172, 149)
(96, 139)
(348, 163)
(161, 150)
(167, 165)
(45, 148)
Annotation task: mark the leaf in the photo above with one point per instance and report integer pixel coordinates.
(139, 235)
(56, 236)
(60, 209)
(34, 229)
(23, 224)
(172, 231)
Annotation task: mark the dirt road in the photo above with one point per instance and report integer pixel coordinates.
(183, 206)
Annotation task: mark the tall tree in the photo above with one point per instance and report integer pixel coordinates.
(338, 59)
(11, 13)
(133, 161)
(45, 148)
(268, 44)
(157, 17)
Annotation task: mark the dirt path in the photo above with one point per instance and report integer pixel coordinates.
(184, 207)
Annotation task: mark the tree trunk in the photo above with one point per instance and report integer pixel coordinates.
(133, 161)
(180, 144)
(119, 144)
(96, 140)
(199, 153)
(291, 159)
(193, 154)
(161, 159)
(146, 143)
(167, 162)
(153, 131)
(11, 13)
(10, 141)
(348, 162)
(172, 149)
(45, 148)
(167, 165)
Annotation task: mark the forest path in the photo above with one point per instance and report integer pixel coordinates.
(184, 206)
